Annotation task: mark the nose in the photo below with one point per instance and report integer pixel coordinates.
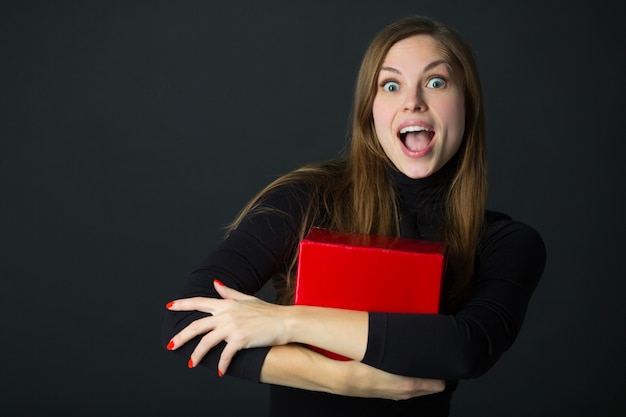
(414, 101)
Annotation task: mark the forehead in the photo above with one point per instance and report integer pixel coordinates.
(417, 48)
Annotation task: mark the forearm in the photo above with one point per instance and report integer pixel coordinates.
(298, 367)
(340, 331)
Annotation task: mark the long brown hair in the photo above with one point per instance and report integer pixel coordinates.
(354, 193)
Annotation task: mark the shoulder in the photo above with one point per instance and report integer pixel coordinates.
(500, 226)
(303, 183)
(293, 192)
(511, 246)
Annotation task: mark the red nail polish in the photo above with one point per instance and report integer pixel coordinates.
(170, 345)
(219, 373)
(190, 363)
(218, 282)
(169, 305)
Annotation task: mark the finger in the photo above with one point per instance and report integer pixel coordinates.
(195, 328)
(208, 342)
(204, 304)
(227, 292)
(226, 357)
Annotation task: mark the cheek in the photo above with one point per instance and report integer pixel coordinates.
(382, 117)
(455, 116)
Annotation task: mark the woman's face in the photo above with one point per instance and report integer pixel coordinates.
(419, 110)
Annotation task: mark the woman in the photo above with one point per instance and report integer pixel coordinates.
(416, 168)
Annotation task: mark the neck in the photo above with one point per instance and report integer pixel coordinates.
(422, 201)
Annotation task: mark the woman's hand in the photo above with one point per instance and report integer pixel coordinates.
(243, 321)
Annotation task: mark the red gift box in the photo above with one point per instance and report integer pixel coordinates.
(349, 270)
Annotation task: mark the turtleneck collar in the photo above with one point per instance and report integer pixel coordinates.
(442, 177)
(422, 201)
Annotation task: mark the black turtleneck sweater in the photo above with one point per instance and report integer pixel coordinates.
(509, 263)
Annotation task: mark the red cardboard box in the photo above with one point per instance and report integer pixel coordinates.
(369, 273)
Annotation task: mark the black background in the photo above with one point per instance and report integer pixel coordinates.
(131, 133)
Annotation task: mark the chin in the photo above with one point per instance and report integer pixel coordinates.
(417, 173)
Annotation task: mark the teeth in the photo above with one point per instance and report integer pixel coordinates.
(413, 129)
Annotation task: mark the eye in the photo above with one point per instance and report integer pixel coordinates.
(391, 86)
(436, 82)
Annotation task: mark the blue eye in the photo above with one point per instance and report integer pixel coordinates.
(391, 86)
(436, 83)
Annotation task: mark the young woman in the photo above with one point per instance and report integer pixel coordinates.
(416, 168)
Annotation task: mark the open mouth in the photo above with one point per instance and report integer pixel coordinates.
(416, 138)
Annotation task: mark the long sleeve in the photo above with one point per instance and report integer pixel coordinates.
(260, 247)
(510, 262)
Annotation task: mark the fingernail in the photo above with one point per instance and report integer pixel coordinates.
(169, 305)
(219, 373)
(218, 282)
(190, 363)
(170, 345)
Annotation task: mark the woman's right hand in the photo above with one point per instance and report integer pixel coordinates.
(299, 367)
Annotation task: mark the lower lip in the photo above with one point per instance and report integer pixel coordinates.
(417, 154)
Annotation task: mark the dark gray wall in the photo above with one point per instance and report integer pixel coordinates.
(132, 132)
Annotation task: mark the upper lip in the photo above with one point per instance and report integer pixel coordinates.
(413, 126)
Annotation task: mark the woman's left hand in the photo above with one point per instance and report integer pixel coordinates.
(241, 320)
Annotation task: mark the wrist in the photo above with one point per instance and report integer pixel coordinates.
(344, 332)
(294, 322)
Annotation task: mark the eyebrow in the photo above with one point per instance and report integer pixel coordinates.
(426, 68)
